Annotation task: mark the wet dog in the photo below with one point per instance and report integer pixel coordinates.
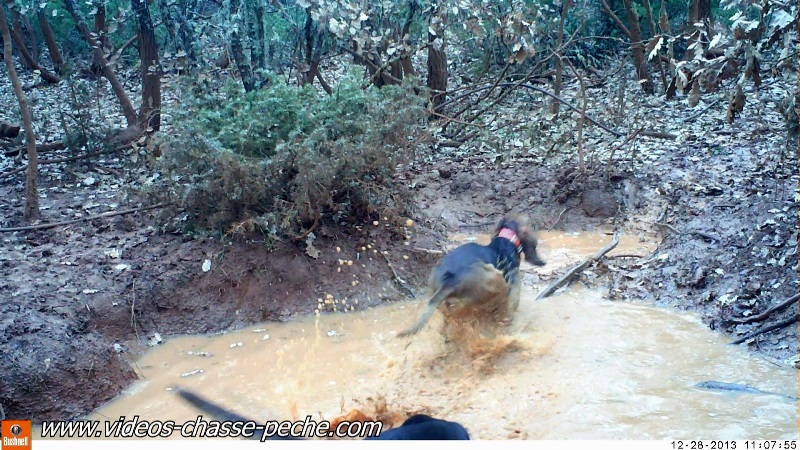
(481, 281)
(416, 427)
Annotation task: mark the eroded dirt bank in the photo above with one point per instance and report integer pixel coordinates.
(84, 299)
(81, 301)
(727, 209)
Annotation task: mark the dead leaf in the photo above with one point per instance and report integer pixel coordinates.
(310, 249)
(672, 88)
(653, 47)
(694, 96)
(756, 72)
(520, 56)
(735, 103)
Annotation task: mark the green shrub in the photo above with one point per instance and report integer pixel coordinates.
(284, 159)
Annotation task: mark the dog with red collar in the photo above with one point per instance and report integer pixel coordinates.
(481, 279)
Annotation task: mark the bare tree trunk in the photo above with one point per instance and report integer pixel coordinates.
(100, 32)
(186, 34)
(50, 41)
(124, 101)
(610, 13)
(150, 111)
(31, 180)
(408, 67)
(100, 25)
(396, 70)
(437, 76)
(16, 35)
(169, 21)
(652, 23)
(179, 30)
(259, 35)
(554, 104)
(699, 11)
(313, 41)
(437, 61)
(237, 52)
(310, 68)
(663, 26)
(26, 25)
(637, 49)
(405, 60)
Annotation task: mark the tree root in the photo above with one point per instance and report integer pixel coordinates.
(765, 314)
(774, 326)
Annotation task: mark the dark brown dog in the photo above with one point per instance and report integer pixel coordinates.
(481, 279)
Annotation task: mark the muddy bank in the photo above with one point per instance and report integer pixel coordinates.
(548, 378)
(728, 217)
(82, 301)
(90, 296)
(85, 299)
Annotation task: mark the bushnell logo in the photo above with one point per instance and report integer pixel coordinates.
(16, 435)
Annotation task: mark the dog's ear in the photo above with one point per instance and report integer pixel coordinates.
(501, 225)
(529, 242)
(511, 224)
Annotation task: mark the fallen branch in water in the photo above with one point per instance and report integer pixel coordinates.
(45, 226)
(774, 326)
(572, 273)
(765, 314)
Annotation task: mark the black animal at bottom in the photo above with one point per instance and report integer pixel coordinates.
(416, 427)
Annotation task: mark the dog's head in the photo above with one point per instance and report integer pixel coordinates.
(527, 238)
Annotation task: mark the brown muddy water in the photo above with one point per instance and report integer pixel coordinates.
(572, 366)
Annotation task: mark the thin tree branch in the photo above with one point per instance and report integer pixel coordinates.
(765, 314)
(45, 226)
(63, 160)
(774, 326)
(615, 18)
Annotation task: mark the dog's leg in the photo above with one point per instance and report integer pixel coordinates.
(514, 291)
(437, 299)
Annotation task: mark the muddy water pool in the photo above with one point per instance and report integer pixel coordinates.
(572, 366)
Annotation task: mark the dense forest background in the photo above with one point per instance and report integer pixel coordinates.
(291, 92)
(192, 166)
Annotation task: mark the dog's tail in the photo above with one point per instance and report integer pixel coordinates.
(442, 293)
(209, 408)
(223, 415)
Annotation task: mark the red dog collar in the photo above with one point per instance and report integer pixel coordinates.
(509, 234)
